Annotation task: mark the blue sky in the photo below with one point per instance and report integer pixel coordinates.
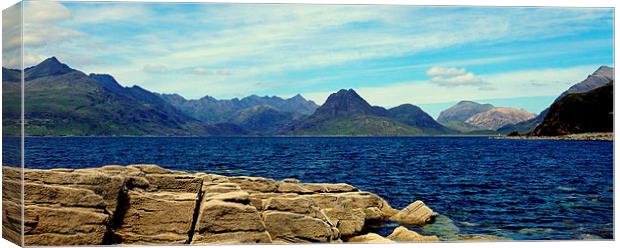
(429, 56)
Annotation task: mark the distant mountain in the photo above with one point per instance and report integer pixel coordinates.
(64, 101)
(265, 119)
(599, 78)
(456, 116)
(497, 117)
(347, 113)
(254, 113)
(580, 113)
(414, 116)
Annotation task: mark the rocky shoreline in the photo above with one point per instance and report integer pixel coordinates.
(579, 136)
(147, 204)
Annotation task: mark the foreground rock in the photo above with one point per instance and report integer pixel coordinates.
(403, 234)
(370, 238)
(147, 204)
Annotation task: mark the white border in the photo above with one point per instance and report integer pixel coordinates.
(549, 3)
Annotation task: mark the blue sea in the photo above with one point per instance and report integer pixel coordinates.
(517, 189)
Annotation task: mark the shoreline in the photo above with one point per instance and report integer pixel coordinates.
(580, 137)
(148, 204)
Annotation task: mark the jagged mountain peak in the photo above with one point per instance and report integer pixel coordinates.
(48, 67)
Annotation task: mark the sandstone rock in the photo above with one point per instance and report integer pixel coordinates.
(348, 221)
(254, 183)
(229, 222)
(416, 213)
(291, 180)
(331, 187)
(232, 238)
(156, 218)
(150, 168)
(60, 195)
(107, 186)
(147, 204)
(294, 186)
(11, 221)
(64, 226)
(406, 235)
(173, 182)
(369, 238)
(260, 199)
(233, 196)
(286, 226)
(285, 187)
(220, 188)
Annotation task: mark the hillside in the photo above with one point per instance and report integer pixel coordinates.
(347, 113)
(497, 117)
(580, 113)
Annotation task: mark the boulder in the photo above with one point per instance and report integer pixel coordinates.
(369, 238)
(405, 235)
(416, 213)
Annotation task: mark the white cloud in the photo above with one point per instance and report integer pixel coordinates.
(454, 77)
(444, 71)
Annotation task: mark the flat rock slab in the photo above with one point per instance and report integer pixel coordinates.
(156, 218)
(221, 221)
(301, 228)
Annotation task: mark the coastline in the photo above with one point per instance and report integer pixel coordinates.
(580, 136)
(147, 204)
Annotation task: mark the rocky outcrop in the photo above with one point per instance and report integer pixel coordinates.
(416, 213)
(147, 204)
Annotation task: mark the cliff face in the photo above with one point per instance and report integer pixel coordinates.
(146, 204)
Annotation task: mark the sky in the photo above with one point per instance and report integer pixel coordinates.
(432, 57)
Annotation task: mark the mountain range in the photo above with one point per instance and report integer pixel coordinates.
(63, 101)
(60, 100)
(254, 113)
